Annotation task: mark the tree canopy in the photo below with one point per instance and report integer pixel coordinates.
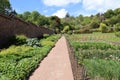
(5, 7)
(110, 18)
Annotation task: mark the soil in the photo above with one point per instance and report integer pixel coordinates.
(76, 68)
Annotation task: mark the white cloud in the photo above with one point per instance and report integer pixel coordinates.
(60, 13)
(100, 5)
(18, 10)
(59, 2)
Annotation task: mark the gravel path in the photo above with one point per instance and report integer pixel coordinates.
(56, 66)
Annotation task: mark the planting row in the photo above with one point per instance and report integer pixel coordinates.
(17, 62)
(95, 37)
(101, 60)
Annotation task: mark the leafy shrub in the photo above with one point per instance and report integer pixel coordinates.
(66, 29)
(34, 42)
(53, 38)
(117, 34)
(117, 27)
(17, 62)
(47, 43)
(18, 67)
(15, 40)
(94, 24)
(16, 50)
(69, 32)
(20, 39)
(46, 35)
(104, 28)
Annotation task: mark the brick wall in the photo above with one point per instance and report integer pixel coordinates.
(11, 26)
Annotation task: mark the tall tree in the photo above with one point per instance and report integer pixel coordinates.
(5, 7)
(26, 16)
(67, 15)
(55, 24)
(109, 13)
(35, 15)
(117, 11)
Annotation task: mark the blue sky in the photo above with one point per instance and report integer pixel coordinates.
(61, 7)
